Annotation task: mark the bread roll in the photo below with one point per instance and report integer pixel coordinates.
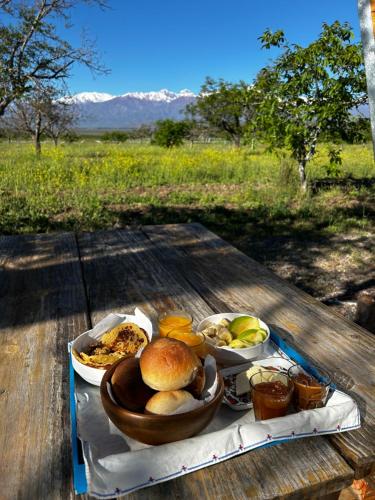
(168, 365)
(167, 402)
(128, 387)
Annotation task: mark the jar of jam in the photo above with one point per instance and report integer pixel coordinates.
(309, 392)
(271, 393)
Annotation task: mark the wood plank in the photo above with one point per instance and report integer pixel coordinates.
(42, 306)
(257, 475)
(123, 269)
(223, 274)
(121, 272)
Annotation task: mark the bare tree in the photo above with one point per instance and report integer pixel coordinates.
(40, 113)
(26, 117)
(7, 129)
(59, 118)
(31, 53)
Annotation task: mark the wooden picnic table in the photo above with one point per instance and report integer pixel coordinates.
(55, 286)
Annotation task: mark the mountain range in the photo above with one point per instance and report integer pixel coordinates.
(130, 110)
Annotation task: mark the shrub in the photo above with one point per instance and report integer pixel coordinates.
(169, 133)
(115, 136)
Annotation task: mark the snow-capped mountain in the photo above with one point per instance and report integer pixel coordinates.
(101, 110)
(163, 95)
(90, 97)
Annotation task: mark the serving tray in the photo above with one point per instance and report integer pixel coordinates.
(107, 463)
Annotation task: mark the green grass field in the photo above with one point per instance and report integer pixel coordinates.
(90, 185)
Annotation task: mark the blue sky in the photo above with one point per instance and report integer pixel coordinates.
(150, 45)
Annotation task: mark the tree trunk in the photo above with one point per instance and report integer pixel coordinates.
(37, 144)
(3, 106)
(302, 174)
(55, 141)
(37, 130)
(237, 141)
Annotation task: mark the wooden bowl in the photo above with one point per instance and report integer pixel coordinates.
(159, 429)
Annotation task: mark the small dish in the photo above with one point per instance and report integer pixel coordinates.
(227, 355)
(94, 375)
(243, 402)
(237, 403)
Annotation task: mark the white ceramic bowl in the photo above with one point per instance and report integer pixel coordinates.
(94, 375)
(228, 356)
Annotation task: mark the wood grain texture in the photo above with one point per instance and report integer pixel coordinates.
(225, 276)
(291, 470)
(124, 269)
(42, 306)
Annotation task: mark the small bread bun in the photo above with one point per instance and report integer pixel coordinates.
(128, 387)
(167, 402)
(168, 365)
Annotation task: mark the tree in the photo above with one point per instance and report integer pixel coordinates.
(309, 91)
(58, 117)
(7, 131)
(41, 113)
(141, 133)
(115, 136)
(26, 118)
(227, 107)
(170, 133)
(31, 52)
(198, 131)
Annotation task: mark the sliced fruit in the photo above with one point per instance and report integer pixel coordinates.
(243, 323)
(251, 336)
(238, 344)
(226, 336)
(210, 331)
(224, 322)
(263, 332)
(246, 333)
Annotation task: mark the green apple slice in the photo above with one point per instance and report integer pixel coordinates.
(244, 335)
(243, 323)
(237, 344)
(253, 336)
(263, 332)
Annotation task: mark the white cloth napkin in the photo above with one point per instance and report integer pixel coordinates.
(117, 465)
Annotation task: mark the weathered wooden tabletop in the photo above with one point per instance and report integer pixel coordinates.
(53, 287)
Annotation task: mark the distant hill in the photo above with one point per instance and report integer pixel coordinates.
(98, 110)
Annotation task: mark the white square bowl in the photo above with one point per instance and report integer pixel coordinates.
(94, 375)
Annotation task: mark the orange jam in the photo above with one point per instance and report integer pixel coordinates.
(271, 399)
(309, 393)
(194, 340)
(172, 322)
